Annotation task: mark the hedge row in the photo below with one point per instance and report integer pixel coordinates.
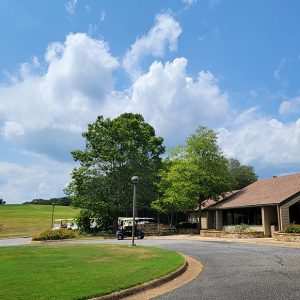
(59, 234)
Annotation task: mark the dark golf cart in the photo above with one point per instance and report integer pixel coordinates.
(127, 232)
(125, 227)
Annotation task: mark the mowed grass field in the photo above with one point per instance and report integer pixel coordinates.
(24, 219)
(79, 271)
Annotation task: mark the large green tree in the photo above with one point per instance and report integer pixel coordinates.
(116, 149)
(194, 172)
(241, 175)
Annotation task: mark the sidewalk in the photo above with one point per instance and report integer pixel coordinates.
(259, 241)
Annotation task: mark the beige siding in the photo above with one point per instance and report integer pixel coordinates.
(284, 212)
(285, 216)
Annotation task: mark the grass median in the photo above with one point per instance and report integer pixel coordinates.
(79, 271)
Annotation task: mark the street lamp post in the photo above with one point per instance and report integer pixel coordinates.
(135, 181)
(53, 204)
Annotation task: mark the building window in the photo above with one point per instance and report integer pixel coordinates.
(250, 216)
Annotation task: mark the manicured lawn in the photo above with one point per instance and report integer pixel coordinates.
(23, 220)
(79, 271)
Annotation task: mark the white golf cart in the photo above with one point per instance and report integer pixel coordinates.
(64, 223)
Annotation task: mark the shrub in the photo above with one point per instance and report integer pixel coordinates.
(293, 228)
(241, 228)
(83, 220)
(59, 234)
(186, 225)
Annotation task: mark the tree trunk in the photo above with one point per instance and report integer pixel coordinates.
(199, 212)
(171, 219)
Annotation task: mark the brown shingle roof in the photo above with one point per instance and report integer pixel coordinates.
(210, 202)
(263, 192)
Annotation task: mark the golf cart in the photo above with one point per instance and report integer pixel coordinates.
(64, 223)
(125, 227)
(127, 232)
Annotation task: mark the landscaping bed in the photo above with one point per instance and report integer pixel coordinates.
(79, 271)
(291, 234)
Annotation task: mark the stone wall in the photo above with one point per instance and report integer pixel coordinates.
(155, 229)
(231, 235)
(180, 231)
(286, 237)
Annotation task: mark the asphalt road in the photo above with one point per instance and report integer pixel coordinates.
(240, 271)
(14, 242)
(233, 270)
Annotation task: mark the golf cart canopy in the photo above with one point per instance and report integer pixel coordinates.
(124, 221)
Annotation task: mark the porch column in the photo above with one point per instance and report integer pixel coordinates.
(269, 217)
(279, 218)
(265, 221)
(219, 219)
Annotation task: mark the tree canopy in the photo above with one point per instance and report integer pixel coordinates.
(116, 149)
(241, 175)
(193, 173)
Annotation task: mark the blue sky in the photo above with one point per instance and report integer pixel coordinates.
(230, 65)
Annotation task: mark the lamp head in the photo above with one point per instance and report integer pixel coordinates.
(135, 179)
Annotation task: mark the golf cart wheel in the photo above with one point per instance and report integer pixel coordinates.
(140, 236)
(120, 237)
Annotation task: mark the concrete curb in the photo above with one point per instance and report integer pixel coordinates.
(51, 241)
(145, 286)
(14, 237)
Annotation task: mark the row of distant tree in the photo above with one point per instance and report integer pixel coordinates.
(64, 201)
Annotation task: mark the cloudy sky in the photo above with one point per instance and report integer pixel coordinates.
(230, 65)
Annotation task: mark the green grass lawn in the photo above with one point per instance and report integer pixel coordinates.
(23, 220)
(79, 271)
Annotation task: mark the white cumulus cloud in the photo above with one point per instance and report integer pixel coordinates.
(262, 140)
(174, 103)
(53, 108)
(162, 35)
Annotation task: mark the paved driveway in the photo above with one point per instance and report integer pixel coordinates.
(234, 271)
(240, 271)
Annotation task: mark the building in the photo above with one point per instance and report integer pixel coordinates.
(274, 201)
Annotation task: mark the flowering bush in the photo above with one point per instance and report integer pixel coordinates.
(59, 234)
